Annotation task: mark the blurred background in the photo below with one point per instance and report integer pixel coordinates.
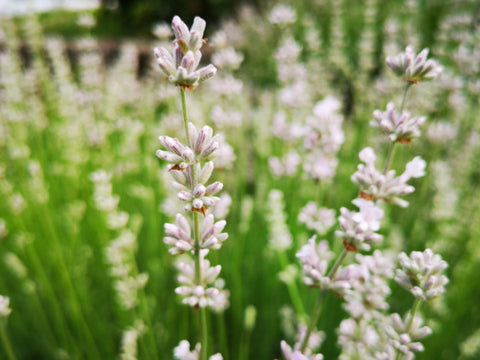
(82, 103)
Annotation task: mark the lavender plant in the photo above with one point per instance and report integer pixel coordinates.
(364, 285)
(191, 168)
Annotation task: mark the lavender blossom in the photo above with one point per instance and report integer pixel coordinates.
(181, 67)
(403, 335)
(358, 228)
(183, 352)
(398, 127)
(367, 297)
(315, 259)
(376, 185)
(205, 293)
(179, 237)
(421, 274)
(414, 68)
(356, 337)
(314, 341)
(318, 219)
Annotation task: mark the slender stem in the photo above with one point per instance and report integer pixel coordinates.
(392, 145)
(337, 264)
(407, 86)
(415, 307)
(293, 289)
(203, 315)
(196, 236)
(388, 161)
(318, 304)
(185, 117)
(6, 343)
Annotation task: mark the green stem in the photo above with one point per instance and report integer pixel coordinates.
(196, 236)
(293, 290)
(6, 342)
(388, 161)
(415, 307)
(392, 145)
(318, 305)
(203, 315)
(185, 117)
(407, 86)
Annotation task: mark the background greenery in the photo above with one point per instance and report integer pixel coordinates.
(64, 304)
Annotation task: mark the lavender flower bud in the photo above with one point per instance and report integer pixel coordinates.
(165, 61)
(188, 62)
(199, 191)
(206, 72)
(203, 137)
(206, 172)
(214, 188)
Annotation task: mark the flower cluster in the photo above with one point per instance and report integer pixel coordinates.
(200, 294)
(368, 296)
(359, 228)
(376, 185)
(314, 341)
(318, 219)
(179, 235)
(414, 68)
(183, 352)
(181, 67)
(398, 127)
(421, 274)
(403, 335)
(186, 162)
(315, 259)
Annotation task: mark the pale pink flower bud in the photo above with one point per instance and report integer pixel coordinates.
(206, 172)
(197, 203)
(214, 188)
(206, 72)
(203, 137)
(199, 191)
(165, 61)
(188, 62)
(185, 196)
(180, 30)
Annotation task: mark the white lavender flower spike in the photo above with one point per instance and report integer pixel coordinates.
(414, 68)
(202, 294)
(181, 67)
(421, 274)
(398, 127)
(314, 341)
(179, 237)
(358, 228)
(315, 259)
(376, 185)
(178, 154)
(403, 334)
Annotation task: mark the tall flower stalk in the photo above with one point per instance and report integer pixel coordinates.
(191, 167)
